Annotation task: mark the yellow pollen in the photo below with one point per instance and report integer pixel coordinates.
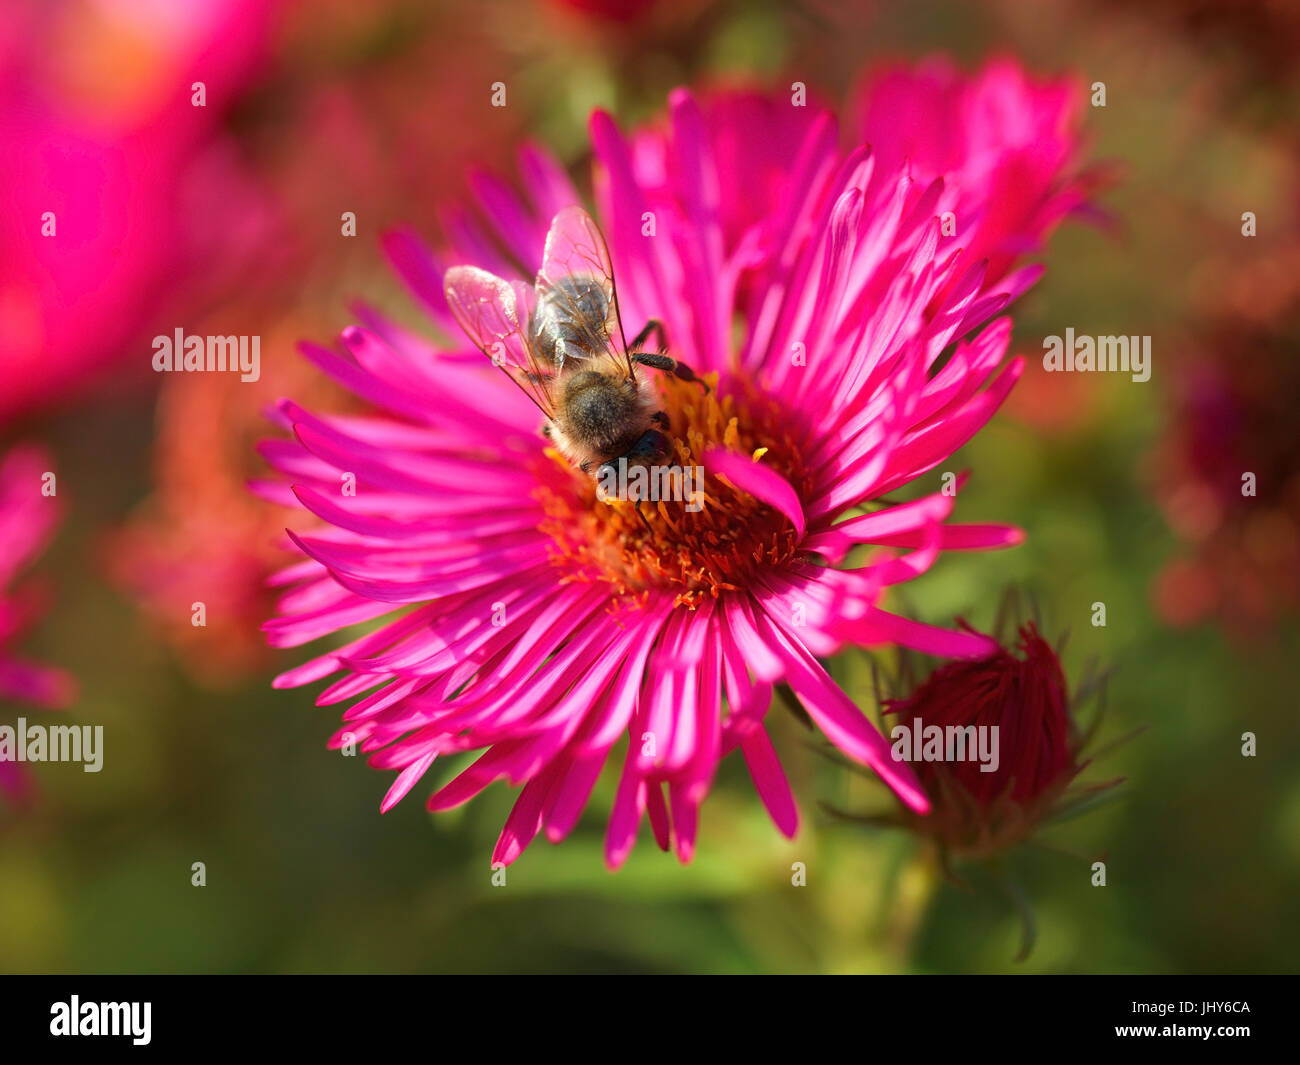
(719, 539)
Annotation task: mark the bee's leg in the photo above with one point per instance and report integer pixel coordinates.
(669, 364)
(651, 445)
(660, 419)
(645, 523)
(658, 360)
(652, 326)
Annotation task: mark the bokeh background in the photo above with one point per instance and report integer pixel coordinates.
(226, 220)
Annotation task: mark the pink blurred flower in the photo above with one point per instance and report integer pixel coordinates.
(118, 194)
(614, 10)
(27, 519)
(1009, 144)
(1226, 473)
(542, 625)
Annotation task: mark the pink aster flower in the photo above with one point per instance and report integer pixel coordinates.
(848, 352)
(27, 519)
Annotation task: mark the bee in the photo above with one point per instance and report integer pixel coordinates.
(561, 340)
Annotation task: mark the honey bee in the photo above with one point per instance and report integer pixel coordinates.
(561, 340)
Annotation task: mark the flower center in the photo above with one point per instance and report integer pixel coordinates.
(692, 532)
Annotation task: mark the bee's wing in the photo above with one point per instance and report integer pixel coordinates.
(575, 248)
(495, 315)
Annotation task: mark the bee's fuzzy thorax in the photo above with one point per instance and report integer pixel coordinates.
(586, 449)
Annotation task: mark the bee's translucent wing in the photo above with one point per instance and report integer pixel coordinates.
(576, 252)
(495, 314)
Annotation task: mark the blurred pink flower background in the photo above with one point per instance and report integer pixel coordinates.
(151, 205)
(27, 519)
